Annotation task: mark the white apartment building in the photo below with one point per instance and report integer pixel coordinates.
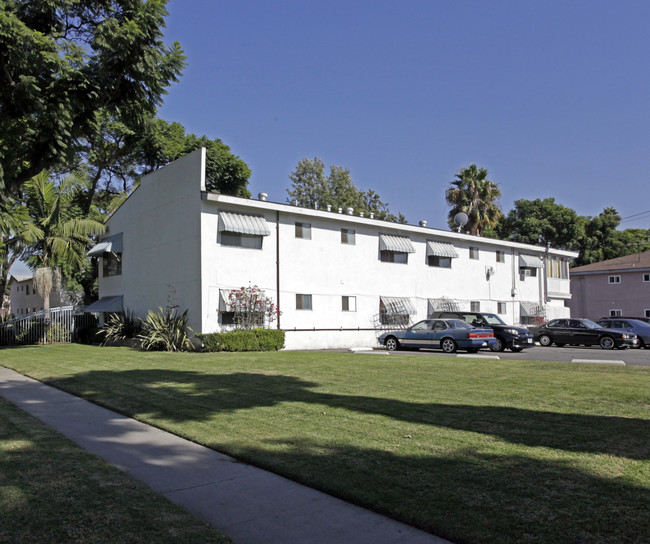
(25, 300)
(336, 277)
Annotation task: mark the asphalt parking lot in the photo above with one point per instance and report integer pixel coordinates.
(565, 354)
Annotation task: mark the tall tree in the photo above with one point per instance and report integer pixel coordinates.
(62, 234)
(61, 61)
(471, 192)
(311, 188)
(542, 221)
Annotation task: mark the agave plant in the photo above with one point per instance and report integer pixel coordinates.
(121, 326)
(165, 331)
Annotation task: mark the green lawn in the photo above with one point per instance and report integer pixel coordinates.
(471, 450)
(52, 492)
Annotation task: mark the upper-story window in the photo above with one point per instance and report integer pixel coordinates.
(440, 254)
(613, 279)
(557, 268)
(348, 236)
(528, 265)
(501, 256)
(110, 251)
(473, 253)
(239, 230)
(303, 230)
(646, 277)
(112, 264)
(394, 249)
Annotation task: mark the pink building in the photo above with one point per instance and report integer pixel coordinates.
(616, 287)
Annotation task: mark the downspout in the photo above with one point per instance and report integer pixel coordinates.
(277, 263)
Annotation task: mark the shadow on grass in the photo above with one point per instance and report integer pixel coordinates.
(184, 396)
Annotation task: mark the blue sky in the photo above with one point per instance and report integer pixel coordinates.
(551, 97)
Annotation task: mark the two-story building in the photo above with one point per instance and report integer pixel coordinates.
(616, 287)
(336, 276)
(24, 299)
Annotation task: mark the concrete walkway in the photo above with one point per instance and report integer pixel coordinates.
(249, 505)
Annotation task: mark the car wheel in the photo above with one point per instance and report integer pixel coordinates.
(448, 345)
(607, 342)
(545, 340)
(498, 345)
(392, 344)
(516, 350)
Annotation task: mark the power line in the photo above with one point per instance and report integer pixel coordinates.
(639, 215)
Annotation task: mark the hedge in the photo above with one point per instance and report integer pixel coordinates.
(240, 340)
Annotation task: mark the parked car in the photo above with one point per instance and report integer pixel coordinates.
(447, 334)
(640, 328)
(644, 319)
(578, 331)
(506, 336)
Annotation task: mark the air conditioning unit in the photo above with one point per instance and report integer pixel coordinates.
(526, 272)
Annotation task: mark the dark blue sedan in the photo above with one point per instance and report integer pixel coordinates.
(446, 334)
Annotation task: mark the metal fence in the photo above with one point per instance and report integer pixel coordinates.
(66, 324)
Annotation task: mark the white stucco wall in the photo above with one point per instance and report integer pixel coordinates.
(161, 226)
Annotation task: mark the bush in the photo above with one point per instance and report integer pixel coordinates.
(121, 326)
(240, 340)
(165, 331)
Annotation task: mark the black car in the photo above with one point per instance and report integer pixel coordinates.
(507, 336)
(577, 331)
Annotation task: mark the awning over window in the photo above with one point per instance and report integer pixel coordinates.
(243, 224)
(107, 304)
(530, 261)
(531, 309)
(397, 305)
(441, 249)
(112, 244)
(400, 244)
(442, 304)
(224, 301)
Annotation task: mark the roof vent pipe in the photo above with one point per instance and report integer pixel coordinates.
(360, 214)
(263, 196)
(372, 215)
(340, 210)
(329, 207)
(349, 211)
(423, 223)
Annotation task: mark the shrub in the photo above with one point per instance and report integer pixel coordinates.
(121, 326)
(165, 331)
(241, 340)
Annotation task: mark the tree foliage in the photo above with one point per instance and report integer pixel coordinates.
(312, 188)
(62, 61)
(252, 308)
(471, 192)
(542, 221)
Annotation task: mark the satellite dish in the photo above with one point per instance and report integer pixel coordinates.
(461, 220)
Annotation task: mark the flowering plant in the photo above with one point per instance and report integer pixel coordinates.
(251, 306)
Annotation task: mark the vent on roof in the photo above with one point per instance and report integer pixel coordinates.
(423, 223)
(263, 196)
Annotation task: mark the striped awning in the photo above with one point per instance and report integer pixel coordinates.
(224, 300)
(531, 309)
(400, 244)
(243, 224)
(112, 244)
(441, 249)
(107, 304)
(397, 305)
(530, 261)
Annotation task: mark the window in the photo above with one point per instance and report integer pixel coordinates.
(473, 253)
(615, 313)
(27, 289)
(236, 239)
(112, 264)
(614, 279)
(303, 230)
(348, 304)
(646, 313)
(303, 302)
(501, 256)
(525, 272)
(475, 306)
(439, 262)
(501, 308)
(394, 257)
(348, 236)
(395, 311)
(646, 277)
(557, 268)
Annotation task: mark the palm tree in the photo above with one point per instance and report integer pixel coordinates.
(471, 192)
(61, 233)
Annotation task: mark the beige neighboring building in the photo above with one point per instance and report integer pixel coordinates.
(25, 300)
(616, 287)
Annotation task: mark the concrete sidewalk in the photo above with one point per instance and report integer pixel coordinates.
(249, 505)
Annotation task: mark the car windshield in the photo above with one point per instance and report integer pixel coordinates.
(493, 319)
(457, 324)
(590, 324)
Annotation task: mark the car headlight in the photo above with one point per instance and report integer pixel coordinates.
(514, 332)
